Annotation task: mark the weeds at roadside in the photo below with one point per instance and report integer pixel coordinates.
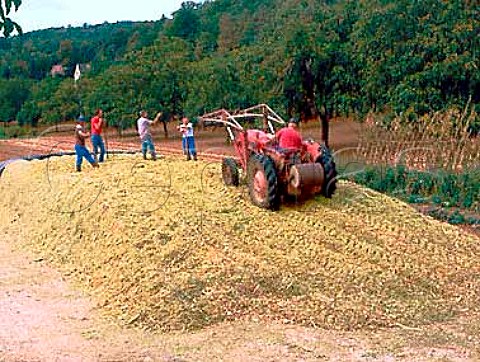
(434, 162)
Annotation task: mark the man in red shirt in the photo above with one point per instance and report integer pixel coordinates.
(289, 137)
(97, 123)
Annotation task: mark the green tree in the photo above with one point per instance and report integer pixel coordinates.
(186, 22)
(315, 58)
(7, 25)
(417, 56)
(117, 92)
(63, 104)
(320, 80)
(29, 114)
(13, 94)
(37, 107)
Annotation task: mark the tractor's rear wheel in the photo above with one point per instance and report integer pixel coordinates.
(263, 182)
(330, 172)
(230, 174)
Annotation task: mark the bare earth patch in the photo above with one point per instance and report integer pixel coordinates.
(344, 134)
(43, 319)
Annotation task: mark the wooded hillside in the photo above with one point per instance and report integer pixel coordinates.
(304, 57)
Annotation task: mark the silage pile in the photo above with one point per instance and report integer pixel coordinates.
(165, 245)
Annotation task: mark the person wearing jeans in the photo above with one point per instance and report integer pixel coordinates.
(188, 140)
(97, 123)
(80, 150)
(143, 126)
(147, 145)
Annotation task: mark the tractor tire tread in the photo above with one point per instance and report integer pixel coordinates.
(272, 201)
(231, 164)
(330, 172)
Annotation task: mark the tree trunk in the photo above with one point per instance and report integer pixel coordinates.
(324, 123)
(323, 118)
(165, 128)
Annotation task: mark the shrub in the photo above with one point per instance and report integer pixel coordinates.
(13, 132)
(445, 189)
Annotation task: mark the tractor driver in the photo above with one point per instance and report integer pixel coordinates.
(289, 137)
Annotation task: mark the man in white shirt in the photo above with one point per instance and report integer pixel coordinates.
(143, 126)
(188, 140)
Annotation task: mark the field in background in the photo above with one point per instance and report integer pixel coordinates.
(210, 140)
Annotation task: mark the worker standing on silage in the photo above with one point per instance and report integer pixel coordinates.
(80, 148)
(97, 122)
(188, 139)
(143, 126)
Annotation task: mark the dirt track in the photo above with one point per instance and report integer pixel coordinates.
(209, 141)
(44, 319)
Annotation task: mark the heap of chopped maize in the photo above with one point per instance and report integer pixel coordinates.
(166, 246)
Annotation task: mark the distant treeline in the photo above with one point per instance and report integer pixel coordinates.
(303, 57)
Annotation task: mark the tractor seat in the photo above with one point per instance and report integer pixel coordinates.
(288, 152)
(292, 155)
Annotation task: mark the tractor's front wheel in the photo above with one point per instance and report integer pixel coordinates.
(263, 182)
(329, 170)
(230, 174)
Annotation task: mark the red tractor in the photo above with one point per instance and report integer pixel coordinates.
(273, 173)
